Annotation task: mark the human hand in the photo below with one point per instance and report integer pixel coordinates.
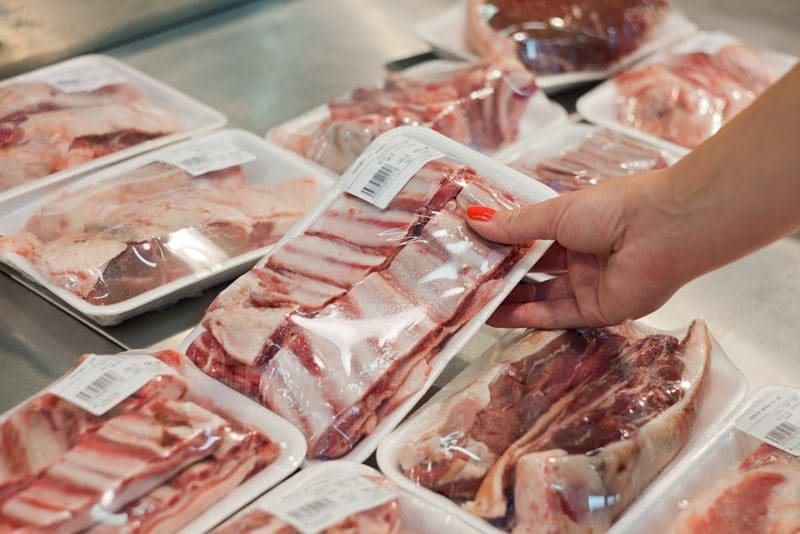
(610, 256)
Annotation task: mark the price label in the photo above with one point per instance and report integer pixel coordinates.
(101, 382)
(775, 420)
(82, 77)
(208, 156)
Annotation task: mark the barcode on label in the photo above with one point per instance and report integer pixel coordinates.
(312, 508)
(378, 181)
(783, 433)
(100, 385)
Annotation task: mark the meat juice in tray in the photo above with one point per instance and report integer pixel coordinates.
(737, 482)
(149, 231)
(342, 497)
(576, 156)
(561, 430)
(346, 323)
(78, 115)
(561, 49)
(683, 95)
(485, 106)
(137, 443)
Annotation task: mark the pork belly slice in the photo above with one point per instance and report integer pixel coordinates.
(122, 460)
(616, 433)
(38, 432)
(762, 495)
(327, 378)
(173, 505)
(383, 519)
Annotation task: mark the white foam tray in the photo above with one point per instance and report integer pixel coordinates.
(195, 117)
(417, 515)
(273, 165)
(695, 474)
(540, 114)
(511, 180)
(726, 388)
(291, 441)
(445, 33)
(600, 104)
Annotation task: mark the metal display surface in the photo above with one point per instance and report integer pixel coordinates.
(264, 63)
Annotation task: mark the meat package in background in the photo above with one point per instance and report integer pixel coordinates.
(340, 497)
(560, 430)
(478, 105)
(153, 462)
(341, 323)
(113, 240)
(761, 495)
(44, 130)
(686, 98)
(552, 37)
(579, 156)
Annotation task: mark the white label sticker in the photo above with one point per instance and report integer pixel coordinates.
(208, 156)
(329, 499)
(83, 77)
(775, 420)
(382, 170)
(101, 382)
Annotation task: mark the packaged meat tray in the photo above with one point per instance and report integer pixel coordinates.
(84, 113)
(143, 234)
(346, 323)
(576, 156)
(462, 32)
(342, 497)
(137, 442)
(737, 482)
(485, 106)
(561, 430)
(679, 97)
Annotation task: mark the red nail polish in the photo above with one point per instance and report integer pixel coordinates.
(480, 213)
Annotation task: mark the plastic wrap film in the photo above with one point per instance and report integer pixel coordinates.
(478, 105)
(577, 157)
(558, 431)
(342, 321)
(340, 491)
(153, 462)
(686, 98)
(552, 37)
(44, 130)
(113, 240)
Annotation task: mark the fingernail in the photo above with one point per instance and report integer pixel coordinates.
(480, 213)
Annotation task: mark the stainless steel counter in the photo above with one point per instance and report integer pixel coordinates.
(266, 62)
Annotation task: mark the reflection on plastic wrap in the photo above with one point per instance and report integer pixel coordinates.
(342, 497)
(479, 106)
(686, 98)
(154, 462)
(562, 36)
(762, 494)
(113, 240)
(338, 326)
(44, 130)
(560, 430)
(593, 158)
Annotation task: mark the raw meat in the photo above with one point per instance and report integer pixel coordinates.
(125, 458)
(600, 156)
(479, 106)
(552, 37)
(43, 130)
(566, 429)
(384, 519)
(686, 98)
(762, 495)
(337, 327)
(117, 239)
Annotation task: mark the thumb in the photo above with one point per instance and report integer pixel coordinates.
(520, 225)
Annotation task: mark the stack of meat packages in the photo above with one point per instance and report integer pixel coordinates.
(153, 463)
